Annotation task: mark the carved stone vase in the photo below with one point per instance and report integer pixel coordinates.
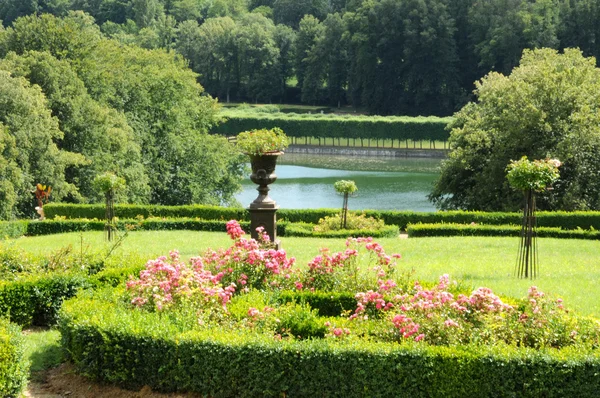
(263, 208)
(263, 174)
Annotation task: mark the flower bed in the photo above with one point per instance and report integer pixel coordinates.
(245, 321)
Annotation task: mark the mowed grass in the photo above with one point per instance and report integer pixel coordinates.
(568, 268)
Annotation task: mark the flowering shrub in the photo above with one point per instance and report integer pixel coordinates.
(345, 270)
(388, 308)
(437, 317)
(168, 282)
(250, 263)
(524, 174)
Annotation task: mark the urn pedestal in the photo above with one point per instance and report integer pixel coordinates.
(263, 209)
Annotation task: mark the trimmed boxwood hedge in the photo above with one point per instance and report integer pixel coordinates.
(326, 303)
(14, 367)
(306, 230)
(36, 299)
(562, 219)
(110, 342)
(431, 230)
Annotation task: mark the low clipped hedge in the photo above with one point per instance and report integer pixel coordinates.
(110, 342)
(36, 299)
(326, 303)
(433, 230)
(14, 367)
(558, 219)
(306, 230)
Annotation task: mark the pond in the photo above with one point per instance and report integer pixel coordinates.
(384, 183)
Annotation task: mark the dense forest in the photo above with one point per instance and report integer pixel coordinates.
(403, 57)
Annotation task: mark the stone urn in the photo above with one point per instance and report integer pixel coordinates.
(263, 174)
(263, 209)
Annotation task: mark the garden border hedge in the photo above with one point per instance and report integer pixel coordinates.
(562, 219)
(36, 299)
(119, 345)
(14, 367)
(437, 230)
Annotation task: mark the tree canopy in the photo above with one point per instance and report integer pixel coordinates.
(549, 106)
(76, 104)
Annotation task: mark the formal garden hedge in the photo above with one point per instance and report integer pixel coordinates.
(558, 219)
(14, 367)
(133, 348)
(431, 230)
(429, 128)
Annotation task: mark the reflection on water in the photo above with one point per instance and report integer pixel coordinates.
(306, 181)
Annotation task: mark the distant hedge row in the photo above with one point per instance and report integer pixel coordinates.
(558, 219)
(108, 342)
(333, 126)
(431, 230)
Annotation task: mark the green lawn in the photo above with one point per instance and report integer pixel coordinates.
(568, 268)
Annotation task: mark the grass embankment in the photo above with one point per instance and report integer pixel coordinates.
(569, 268)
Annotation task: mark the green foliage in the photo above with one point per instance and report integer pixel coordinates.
(321, 126)
(546, 107)
(537, 175)
(133, 348)
(326, 303)
(562, 219)
(14, 367)
(345, 186)
(258, 142)
(35, 300)
(316, 231)
(137, 101)
(353, 222)
(428, 230)
(108, 183)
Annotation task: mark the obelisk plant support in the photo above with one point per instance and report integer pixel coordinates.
(109, 184)
(345, 188)
(530, 177)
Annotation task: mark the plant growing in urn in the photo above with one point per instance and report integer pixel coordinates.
(263, 146)
(530, 177)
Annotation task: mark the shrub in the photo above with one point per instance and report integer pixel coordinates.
(14, 367)
(109, 342)
(308, 230)
(353, 221)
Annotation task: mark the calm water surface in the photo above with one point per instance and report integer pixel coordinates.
(306, 181)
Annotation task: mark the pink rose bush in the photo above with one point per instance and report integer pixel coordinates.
(348, 270)
(237, 287)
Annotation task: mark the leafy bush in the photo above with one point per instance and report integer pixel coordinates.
(12, 229)
(308, 230)
(14, 367)
(353, 221)
(35, 300)
(261, 141)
